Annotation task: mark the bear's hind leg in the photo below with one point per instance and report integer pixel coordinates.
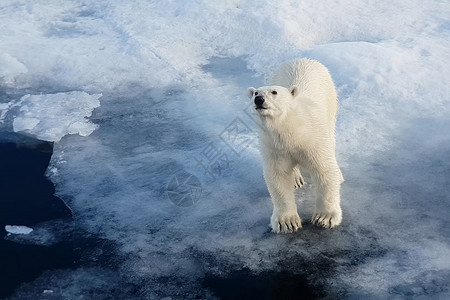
(328, 211)
(298, 178)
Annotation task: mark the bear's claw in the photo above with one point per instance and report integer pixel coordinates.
(287, 223)
(327, 220)
(298, 178)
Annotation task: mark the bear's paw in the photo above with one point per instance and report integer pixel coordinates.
(327, 219)
(286, 222)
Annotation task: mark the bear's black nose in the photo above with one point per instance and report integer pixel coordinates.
(259, 100)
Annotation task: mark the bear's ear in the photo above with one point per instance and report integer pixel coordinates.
(294, 91)
(250, 92)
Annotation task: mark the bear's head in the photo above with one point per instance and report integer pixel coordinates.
(272, 101)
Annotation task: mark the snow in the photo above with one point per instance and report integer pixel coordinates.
(143, 96)
(11, 68)
(15, 229)
(49, 117)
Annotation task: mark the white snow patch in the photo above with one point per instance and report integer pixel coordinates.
(10, 68)
(16, 229)
(50, 117)
(24, 124)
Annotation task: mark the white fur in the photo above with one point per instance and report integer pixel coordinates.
(298, 132)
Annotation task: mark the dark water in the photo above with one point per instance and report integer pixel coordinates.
(27, 195)
(243, 284)
(27, 198)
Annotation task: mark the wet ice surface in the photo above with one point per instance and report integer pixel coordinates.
(174, 126)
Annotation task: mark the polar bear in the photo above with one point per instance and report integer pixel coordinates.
(297, 115)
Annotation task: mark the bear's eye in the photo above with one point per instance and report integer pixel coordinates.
(256, 93)
(274, 92)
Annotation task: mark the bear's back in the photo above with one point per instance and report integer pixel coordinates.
(312, 80)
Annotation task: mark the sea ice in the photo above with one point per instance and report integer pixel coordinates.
(171, 77)
(49, 117)
(16, 229)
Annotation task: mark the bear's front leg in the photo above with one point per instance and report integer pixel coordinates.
(328, 211)
(280, 182)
